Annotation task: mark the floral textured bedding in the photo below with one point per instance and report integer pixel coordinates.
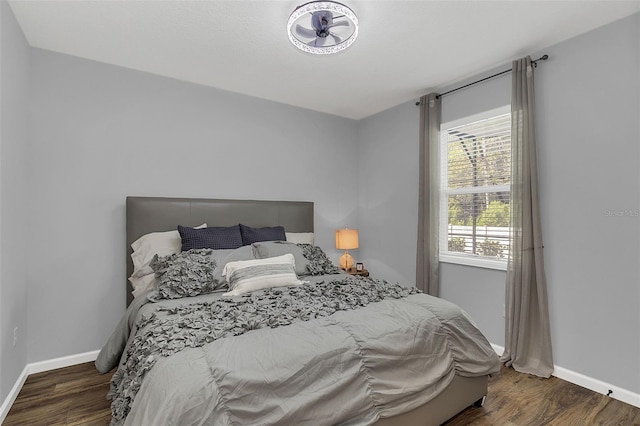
(336, 349)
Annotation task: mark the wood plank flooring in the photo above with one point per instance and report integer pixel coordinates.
(520, 399)
(77, 396)
(67, 396)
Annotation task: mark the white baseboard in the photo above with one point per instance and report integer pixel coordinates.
(39, 367)
(597, 386)
(499, 349)
(65, 361)
(13, 394)
(590, 383)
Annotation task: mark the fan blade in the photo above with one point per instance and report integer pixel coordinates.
(305, 32)
(339, 24)
(337, 39)
(318, 42)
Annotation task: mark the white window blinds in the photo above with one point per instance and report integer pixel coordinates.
(475, 193)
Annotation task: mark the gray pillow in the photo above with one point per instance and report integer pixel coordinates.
(265, 249)
(193, 272)
(184, 274)
(222, 257)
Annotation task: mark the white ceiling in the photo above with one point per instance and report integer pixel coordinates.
(404, 47)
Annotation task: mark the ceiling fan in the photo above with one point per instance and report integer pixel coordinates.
(322, 27)
(322, 22)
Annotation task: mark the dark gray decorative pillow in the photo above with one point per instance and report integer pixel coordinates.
(184, 274)
(270, 233)
(319, 263)
(216, 238)
(265, 249)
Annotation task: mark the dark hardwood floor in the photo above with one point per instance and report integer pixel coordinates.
(77, 396)
(67, 396)
(520, 399)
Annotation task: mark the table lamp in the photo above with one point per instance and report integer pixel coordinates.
(346, 239)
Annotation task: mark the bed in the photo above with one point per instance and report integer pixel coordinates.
(390, 357)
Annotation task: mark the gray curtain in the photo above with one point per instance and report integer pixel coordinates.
(527, 331)
(427, 265)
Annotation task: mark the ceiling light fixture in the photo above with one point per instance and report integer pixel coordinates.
(322, 27)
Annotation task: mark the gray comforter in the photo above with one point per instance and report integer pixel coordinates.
(329, 352)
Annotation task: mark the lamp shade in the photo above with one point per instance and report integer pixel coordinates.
(347, 239)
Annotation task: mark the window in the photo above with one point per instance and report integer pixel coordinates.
(475, 192)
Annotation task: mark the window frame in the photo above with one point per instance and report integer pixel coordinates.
(445, 255)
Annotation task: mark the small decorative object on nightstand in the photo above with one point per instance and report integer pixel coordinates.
(358, 270)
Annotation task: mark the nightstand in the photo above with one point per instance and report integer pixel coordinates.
(352, 271)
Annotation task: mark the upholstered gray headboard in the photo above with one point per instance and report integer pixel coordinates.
(153, 214)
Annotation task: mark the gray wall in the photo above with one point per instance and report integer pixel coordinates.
(387, 192)
(588, 110)
(14, 90)
(100, 133)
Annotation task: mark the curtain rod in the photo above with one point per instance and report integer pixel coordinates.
(535, 64)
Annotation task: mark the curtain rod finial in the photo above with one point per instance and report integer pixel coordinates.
(541, 58)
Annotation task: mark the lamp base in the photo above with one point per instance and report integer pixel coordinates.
(346, 261)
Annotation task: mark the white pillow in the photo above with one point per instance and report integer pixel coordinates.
(144, 248)
(245, 276)
(300, 237)
(142, 284)
(160, 243)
